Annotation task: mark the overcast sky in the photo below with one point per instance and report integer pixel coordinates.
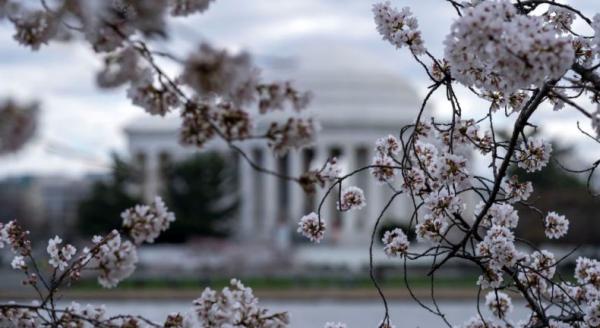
(81, 125)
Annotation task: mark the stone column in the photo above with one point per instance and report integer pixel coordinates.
(269, 197)
(296, 192)
(349, 218)
(374, 193)
(296, 200)
(322, 152)
(247, 199)
(151, 176)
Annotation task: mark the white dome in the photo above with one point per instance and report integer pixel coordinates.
(151, 123)
(350, 88)
(356, 98)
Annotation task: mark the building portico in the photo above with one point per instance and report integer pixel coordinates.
(354, 108)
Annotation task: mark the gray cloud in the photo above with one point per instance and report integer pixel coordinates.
(88, 122)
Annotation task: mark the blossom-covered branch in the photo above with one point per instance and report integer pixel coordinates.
(114, 257)
(518, 60)
(521, 57)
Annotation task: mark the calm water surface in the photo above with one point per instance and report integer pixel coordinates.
(357, 314)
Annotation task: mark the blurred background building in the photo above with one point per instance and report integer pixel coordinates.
(50, 203)
(234, 221)
(355, 105)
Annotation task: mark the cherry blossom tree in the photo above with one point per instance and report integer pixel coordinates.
(518, 56)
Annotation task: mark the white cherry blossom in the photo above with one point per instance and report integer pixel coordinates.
(115, 260)
(499, 303)
(395, 243)
(556, 225)
(399, 27)
(59, 256)
(533, 155)
(311, 227)
(352, 198)
(494, 48)
(146, 222)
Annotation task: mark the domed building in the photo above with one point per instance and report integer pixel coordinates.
(355, 105)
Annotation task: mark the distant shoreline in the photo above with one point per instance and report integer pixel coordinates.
(292, 294)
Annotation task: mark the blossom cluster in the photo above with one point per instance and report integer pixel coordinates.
(13, 235)
(439, 158)
(17, 125)
(499, 303)
(352, 198)
(215, 72)
(276, 95)
(122, 66)
(560, 18)
(498, 247)
(431, 229)
(584, 293)
(84, 315)
(534, 154)
(18, 317)
(399, 27)
(224, 84)
(383, 164)
(294, 133)
(539, 270)
(312, 227)
(395, 242)
(146, 222)
(235, 306)
(60, 256)
(217, 92)
(556, 225)
(494, 48)
(156, 100)
(498, 214)
(437, 173)
(113, 257)
(516, 191)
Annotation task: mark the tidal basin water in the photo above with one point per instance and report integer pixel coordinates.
(357, 314)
